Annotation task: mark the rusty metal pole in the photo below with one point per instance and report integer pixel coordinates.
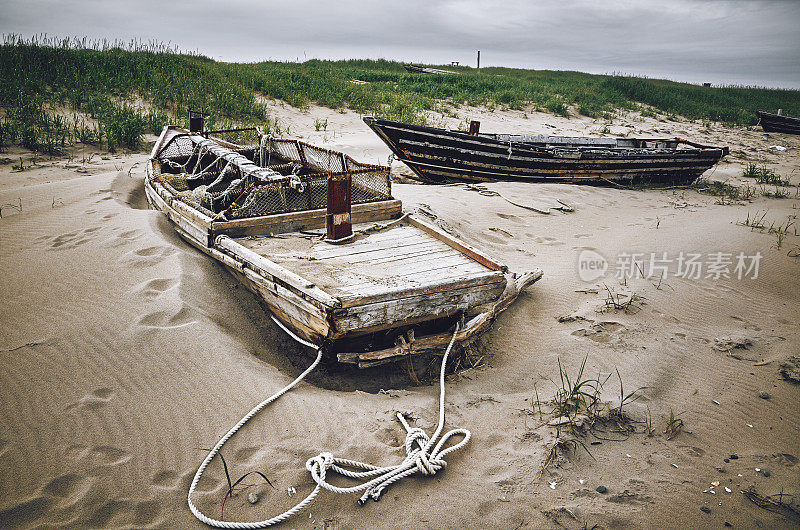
(474, 126)
(196, 121)
(337, 218)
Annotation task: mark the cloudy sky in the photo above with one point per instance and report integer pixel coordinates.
(751, 42)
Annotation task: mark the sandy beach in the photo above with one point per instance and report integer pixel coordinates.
(126, 352)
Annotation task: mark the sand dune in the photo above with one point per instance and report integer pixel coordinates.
(125, 352)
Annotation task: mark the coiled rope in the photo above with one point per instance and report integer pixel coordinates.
(421, 454)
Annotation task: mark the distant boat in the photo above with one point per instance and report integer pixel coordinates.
(440, 155)
(414, 69)
(778, 123)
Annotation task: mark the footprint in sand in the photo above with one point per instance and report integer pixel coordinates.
(510, 217)
(101, 455)
(600, 332)
(693, 451)
(25, 512)
(155, 287)
(168, 320)
(389, 437)
(130, 235)
(104, 515)
(109, 456)
(484, 508)
(77, 453)
(581, 236)
(165, 479)
(93, 401)
(245, 454)
(205, 484)
(69, 240)
(785, 459)
(547, 240)
(146, 513)
(70, 487)
(146, 257)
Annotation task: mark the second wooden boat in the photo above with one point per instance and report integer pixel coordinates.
(778, 123)
(277, 215)
(441, 155)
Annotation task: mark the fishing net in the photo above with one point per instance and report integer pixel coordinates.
(277, 176)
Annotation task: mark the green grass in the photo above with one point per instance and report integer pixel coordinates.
(764, 175)
(48, 87)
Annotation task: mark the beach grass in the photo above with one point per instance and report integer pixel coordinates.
(54, 92)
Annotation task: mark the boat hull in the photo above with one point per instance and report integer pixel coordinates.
(438, 155)
(392, 292)
(780, 124)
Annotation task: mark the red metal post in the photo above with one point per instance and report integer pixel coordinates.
(473, 127)
(337, 219)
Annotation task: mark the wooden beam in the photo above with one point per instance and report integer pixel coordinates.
(467, 281)
(305, 220)
(470, 251)
(260, 263)
(391, 313)
(477, 325)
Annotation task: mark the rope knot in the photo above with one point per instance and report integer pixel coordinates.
(420, 455)
(427, 466)
(415, 435)
(318, 465)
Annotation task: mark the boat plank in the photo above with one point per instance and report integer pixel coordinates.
(456, 244)
(281, 301)
(414, 282)
(365, 250)
(305, 220)
(385, 314)
(307, 288)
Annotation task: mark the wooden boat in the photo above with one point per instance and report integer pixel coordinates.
(440, 155)
(396, 288)
(778, 123)
(414, 69)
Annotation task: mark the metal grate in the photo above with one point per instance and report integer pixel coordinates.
(300, 181)
(179, 147)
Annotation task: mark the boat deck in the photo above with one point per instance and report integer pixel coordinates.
(403, 259)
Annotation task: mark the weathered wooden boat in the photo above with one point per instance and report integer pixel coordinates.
(440, 155)
(414, 69)
(778, 123)
(395, 286)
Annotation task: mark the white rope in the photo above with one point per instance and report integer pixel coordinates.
(420, 458)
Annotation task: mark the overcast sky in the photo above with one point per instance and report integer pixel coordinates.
(751, 42)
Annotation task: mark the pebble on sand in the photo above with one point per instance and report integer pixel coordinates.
(601, 489)
(705, 509)
(252, 498)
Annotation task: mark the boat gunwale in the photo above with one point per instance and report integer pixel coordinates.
(486, 138)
